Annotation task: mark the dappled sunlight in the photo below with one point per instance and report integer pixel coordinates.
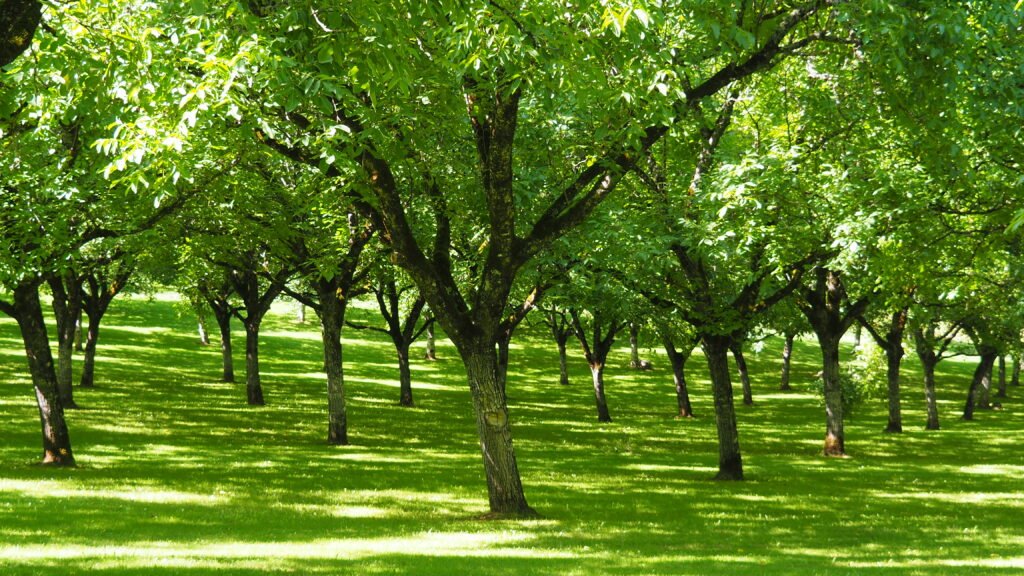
(51, 489)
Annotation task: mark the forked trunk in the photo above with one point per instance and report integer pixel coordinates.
(730, 462)
(504, 487)
(787, 353)
(741, 368)
(597, 374)
(894, 358)
(332, 318)
(66, 310)
(253, 387)
(28, 311)
(678, 360)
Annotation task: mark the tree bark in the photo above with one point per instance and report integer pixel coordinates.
(253, 386)
(1001, 392)
(893, 360)
(982, 373)
(984, 390)
(834, 434)
(741, 367)
(67, 306)
(79, 341)
(1015, 379)
(204, 336)
(597, 374)
(28, 312)
(634, 350)
(504, 487)
(929, 360)
(227, 361)
(88, 379)
(332, 317)
(431, 349)
(730, 462)
(677, 358)
(787, 353)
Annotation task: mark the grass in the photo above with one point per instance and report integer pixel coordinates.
(178, 476)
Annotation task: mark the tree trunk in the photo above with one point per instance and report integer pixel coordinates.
(204, 336)
(223, 316)
(597, 373)
(1001, 392)
(834, 435)
(404, 375)
(88, 379)
(634, 350)
(431, 352)
(984, 391)
(1015, 379)
(67, 302)
(301, 319)
(253, 388)
(332, 318)
(563, 361)
(678, 360)
(982, 374)
(893, 359)
(504, 487)
(79, 342)
(28, 311)
(741, 367)
(928, 367)
(730, 462)
(787, 353)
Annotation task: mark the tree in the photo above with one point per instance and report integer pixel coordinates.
(18, 22)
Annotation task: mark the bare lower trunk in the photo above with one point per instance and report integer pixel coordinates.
(563, 363)
(730, 462)
(431, 352)
(597, 373)
(678, 361)
(504, 487)
(928, 367)
(1015, 379)
(1001, 392)
(982, 374)
(894, 358)
(984, 391)
(88, 379)
(834, 434)
(66, 310)
(253, 387)
(332, 318)
(204, 336)
(28, 311)
(227, 360)
(404, 376)
(787, 353)
(741, 368)
(634, 350)
(79, 342)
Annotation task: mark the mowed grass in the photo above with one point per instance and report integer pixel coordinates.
(178, 476)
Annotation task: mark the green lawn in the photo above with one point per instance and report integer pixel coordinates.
(178, 476)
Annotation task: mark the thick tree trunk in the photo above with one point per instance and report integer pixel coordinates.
(787, 353)
(834, 434)
(634, 350)
(597, 374)
(982, 377)
(504, 340)
(893, 359)
(332, 318)
(678, 360)
(741, 368)
(504, 487)
(730, 462)
(404, 376)
(253, 387)
(1001, 392)
(984, 391)
(28, 311)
